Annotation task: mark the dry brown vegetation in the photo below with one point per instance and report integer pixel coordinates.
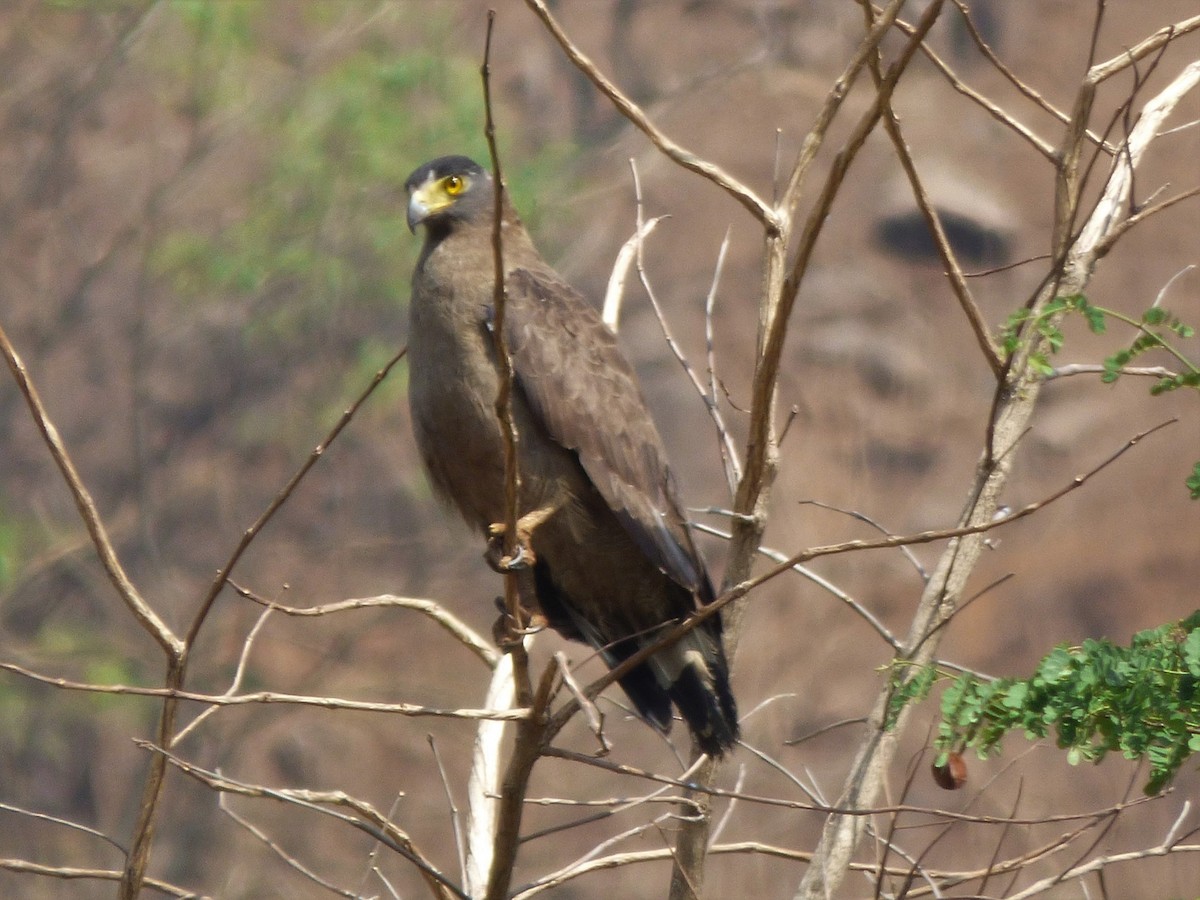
(130, 136)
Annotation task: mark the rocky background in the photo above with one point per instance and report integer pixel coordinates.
(203, 260)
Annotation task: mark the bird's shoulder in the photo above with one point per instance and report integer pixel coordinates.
(545, 307)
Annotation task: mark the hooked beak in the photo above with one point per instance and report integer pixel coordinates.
(418, 209)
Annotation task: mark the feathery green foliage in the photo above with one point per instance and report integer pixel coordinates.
(1142, 700)
(1157, 329)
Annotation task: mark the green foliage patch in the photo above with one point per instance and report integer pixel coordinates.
(1157, 329)
(319, 239)
(1142, 700)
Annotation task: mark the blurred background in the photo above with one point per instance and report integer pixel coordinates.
(203, 261)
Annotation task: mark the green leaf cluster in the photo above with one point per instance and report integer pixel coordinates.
(1157, 328)
(1142, 700)
(1046, 327)
(1156, 324)
(908, 685)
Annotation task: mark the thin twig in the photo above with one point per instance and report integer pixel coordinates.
(287, 859)
(455, 824)
(506, 838)
(729, 456)
(458, 629)
(722, 823)
(933, 222)
(683, 157)
(616, 807)
(857, 812)
(372, 865)
(363, 816)
(867, 520)
(821, 581)
(617, 860)
(615, 293)
(728, 451)
(1099, 864)
(742, 589)
(591, 712)
(67, 823)
(1106, 243)
(1011, 76)
(282, 497)
(72, 873)
(128, 592)
(234, 685)
(825, 729)
(1069, 369)
(270, 697)
(1102, 71)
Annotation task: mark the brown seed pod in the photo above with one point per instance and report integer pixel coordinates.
(952, 774)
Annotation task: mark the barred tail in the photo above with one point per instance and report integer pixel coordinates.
(694, 676)
(701, 692)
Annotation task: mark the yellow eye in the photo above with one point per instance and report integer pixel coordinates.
(455, 184)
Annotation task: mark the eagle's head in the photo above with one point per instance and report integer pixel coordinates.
(447, 190)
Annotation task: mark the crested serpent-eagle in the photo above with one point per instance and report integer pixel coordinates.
(613, 559)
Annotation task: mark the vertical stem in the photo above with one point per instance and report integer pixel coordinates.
(842, 832)
(528, 744)
(143, 833)
(780, 288)
(753, 495)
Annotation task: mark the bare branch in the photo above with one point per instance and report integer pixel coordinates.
(867, 520)
(1118, 230)
(824, 583)
(234, 686)
(457, 628)
(816, 135)
(484, 782)
(363, 816)
(1114, 204)
(591, 712)
(729, 456)
(683, 157)
(507, 823)
(760, 444)
(282, 854)
(1012, 78)
(455, 825)
(142, 611)
(1013, 405)
(372, 867)
(743, 588)
(581, 864)
(67, 823)
(1099, 864)
(282, 497)
(614, 294)
(708, 396)
(268, 697)
(71, 873)
(933, 221)
(997, 112)
(1093, 369)
(1155, 42)
(639, 856)
(856, 812)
